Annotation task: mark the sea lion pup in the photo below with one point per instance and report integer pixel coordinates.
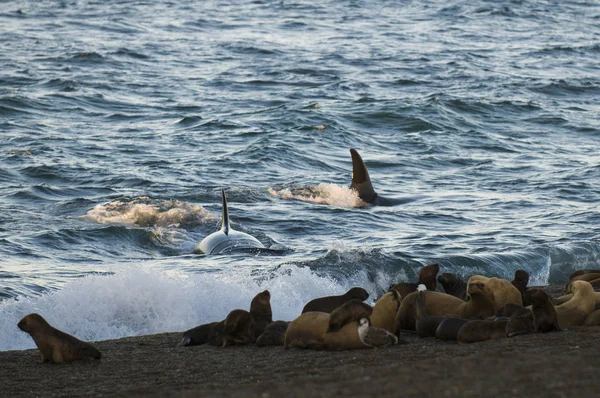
(353, 310)
(208, 333)
(449, 327)
(437, 303)
(544, 314)
(309, 330)
(330, 303)
(498, 290)
(426, 277)
(574, 311)
(476, 331)
(274, 334)
(238, 328)
(384, 311)
(375, 337)
(425, 324)
(56, 346)
(453, 285)
(260, 309)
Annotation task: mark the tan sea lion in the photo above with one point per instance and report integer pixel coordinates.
(210, 333)
(330, 303)
(260, 308)
(584, 277)
(592, 319)
(273, 335)
(544, 314)
(426, 277)
(309, 331)
(448, 329)
(56, 346)
(453, 285)
(445, 304)
(482, 330)
(574, 311)
(426, 324)
(353, 310)
(238, 328)
(375, 337)
(384, 311)
(583, 272)
(498, 290)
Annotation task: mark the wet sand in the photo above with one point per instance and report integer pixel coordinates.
(554, 365)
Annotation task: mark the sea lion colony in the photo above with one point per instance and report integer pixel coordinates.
(481, 309)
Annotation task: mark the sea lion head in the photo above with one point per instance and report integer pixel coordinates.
(427, 275)
(448, 280)
(31, 322)
(521, 280)
(476, 288)
(580, 287)
(536, 296)
(357, 293)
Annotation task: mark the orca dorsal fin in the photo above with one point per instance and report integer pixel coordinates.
(224, 215)
(361, 182)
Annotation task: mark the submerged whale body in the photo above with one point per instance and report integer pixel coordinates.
(227, 239)
(361, 183)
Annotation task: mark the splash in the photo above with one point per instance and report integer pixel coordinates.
(139, 301)
(145, 212)
(329, 194)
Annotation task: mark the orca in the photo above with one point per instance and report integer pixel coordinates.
(227, 239)
(361, 183)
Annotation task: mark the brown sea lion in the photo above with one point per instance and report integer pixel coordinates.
(590, 277)
(309, 331)
(273, 335)
(353, 310)
(330, 303)
(238, 328)
(512, 310)
(449, 327)
(499, 291)
(210, 333)
(583, 272)
(445, 304)
(384, 311)
(425, 324)
(520, 281)
(574, 311)
(426, 277)
(260, 308)
(592, 319)
(453, 285)
(476, 331)
(56, 346)
(544, 314)
(375, 337)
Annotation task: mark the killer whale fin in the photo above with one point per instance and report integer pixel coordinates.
(224, 215)
(361, 182)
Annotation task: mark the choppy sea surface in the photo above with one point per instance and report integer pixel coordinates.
(120, 121)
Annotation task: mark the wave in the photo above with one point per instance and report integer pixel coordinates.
(324, 193)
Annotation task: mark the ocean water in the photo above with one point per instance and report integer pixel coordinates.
(120, 121)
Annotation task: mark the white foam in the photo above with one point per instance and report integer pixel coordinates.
(138, 301)
(330, 194)
(146, 212)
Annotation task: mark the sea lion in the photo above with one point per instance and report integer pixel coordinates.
(238, 328)
(449, 327)
(309, 331)
(482, 330)
(56, 346)
(544, 314)
(353, 310)
(260, 308)
(498, 290)
(584, 277)
(330, 303)
(426, 277)
(520, 281)
(592, 319)
(425, 324)
(444, 304)
(453, 285)
(375, 337)
(512, 310)
(583, 272)
(575, 311)
(208, 333)
(274, 334)
(384, 311)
